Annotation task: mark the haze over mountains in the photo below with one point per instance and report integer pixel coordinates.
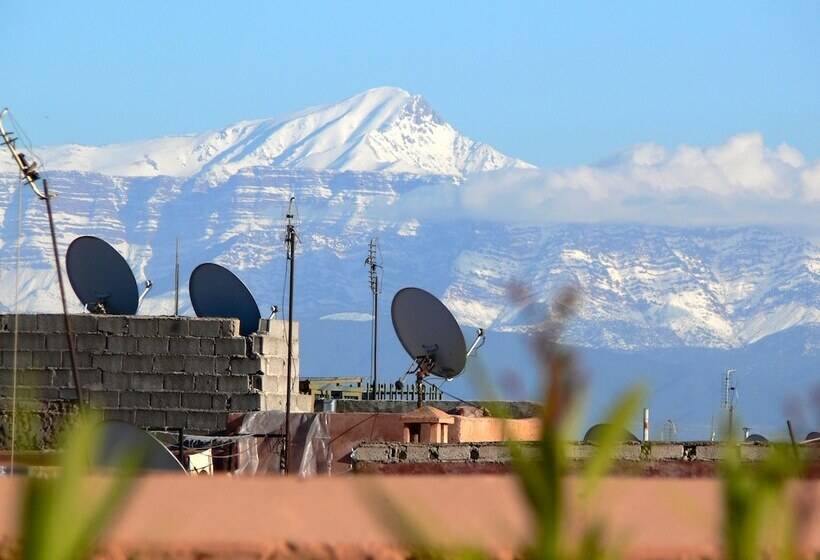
(454, 216)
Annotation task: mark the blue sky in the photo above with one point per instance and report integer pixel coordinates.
(556, 84)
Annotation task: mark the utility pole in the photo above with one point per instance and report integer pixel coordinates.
(372, 262)
(176, 282)
(290, 245)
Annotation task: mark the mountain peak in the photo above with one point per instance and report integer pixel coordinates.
(383, 129)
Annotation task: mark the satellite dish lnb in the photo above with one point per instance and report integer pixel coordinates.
(101, 278)
(217, 292)
(429, 333)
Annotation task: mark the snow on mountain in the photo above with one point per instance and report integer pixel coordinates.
(383, 129)
(224, 194)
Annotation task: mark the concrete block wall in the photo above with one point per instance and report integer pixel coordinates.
(170, 372)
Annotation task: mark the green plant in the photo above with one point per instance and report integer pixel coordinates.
(758, 519)
(62, 516)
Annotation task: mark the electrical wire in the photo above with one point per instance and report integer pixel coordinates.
(20, 215)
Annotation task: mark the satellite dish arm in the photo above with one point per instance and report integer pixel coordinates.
(148, 286)
(477, 343)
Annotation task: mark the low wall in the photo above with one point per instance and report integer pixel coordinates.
(157, 372)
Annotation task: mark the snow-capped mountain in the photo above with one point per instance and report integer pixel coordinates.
(382, 129)
(224, 195)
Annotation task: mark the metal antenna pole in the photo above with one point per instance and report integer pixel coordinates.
(290, 241)
(30, 175)
(372, 262)
(176, 282)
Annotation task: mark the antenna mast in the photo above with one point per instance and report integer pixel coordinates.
(727, 402)
(176, 282)
(290, 245)
(28, 171)
(372, 262)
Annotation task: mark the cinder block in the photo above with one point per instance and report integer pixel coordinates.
(51, 323)
(222, 365)
(230, 346)
(417, 452)
(199, 364)
(22, 360)
(31, 393)
(25, 323)
(146, 382)
(69, 394)
(116, 381)
(46, 358)
(135, 399)
(176, 419)
(178, 382)
(84, 323)
(207, 421)
(369, 453)
(205, 383)
(119, 414)
(7, 341)
(121, 344)
(206, 346)
(249, 401)
(27, 378)
(112, 324)
(90, 378)
(57, 341)
(454, 452)
(107, 362)
(142, 326)
(169, 364)
(90, 342)
(138, 363)
(165, 400)
(494, 453)
(83, 359)
(233, 384)
(274, 344)
(152, 345)
(187, 346)
(31, 341)
(219, 402)
(659, 451)
(229, 327)
(246, 366)
(150, 418)
(196, 401)
(172, 326)
(204, 327)
(104, 399)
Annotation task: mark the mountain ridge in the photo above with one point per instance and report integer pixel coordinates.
(382, 129)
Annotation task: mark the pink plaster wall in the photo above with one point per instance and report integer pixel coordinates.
(469, 430)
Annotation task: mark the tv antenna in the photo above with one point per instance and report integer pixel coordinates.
(728, 395)
(373, 263)
(30, 175)
(102, 279)
(291, 239)
(430, 334)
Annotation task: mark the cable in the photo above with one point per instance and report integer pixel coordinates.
(20, 215)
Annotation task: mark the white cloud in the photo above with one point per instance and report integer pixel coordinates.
(739, 182)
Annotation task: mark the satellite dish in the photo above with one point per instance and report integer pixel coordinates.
(428, 332)
(217, 292)
(756, 438)
(100, 277)
(812, 435)
(595, 432)
(119, 440)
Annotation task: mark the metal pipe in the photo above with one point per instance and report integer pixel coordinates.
(645, 425)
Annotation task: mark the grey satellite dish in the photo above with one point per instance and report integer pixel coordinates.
(217, 292)
(756, 438)
(428, 332)
(101, 278)
(595, 433)
(812, 435)
(119, 441)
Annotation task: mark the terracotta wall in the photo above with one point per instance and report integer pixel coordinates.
(470, 430)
